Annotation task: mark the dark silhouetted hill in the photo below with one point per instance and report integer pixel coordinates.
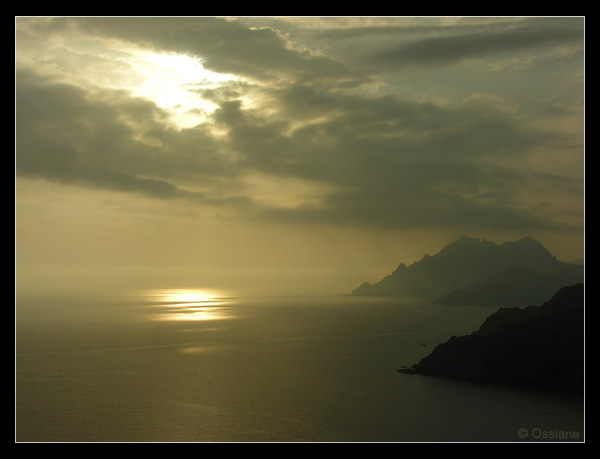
(538, 346)
(473, 271)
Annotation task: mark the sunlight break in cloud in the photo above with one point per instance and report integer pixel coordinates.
(175, 82)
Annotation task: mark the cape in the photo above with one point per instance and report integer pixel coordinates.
(538, 346)
(470, 271)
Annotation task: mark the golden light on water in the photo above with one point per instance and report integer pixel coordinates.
(188, 304)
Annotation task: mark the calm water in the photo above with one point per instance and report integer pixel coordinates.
(185, 366)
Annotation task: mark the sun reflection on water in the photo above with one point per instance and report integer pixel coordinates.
(188, 304)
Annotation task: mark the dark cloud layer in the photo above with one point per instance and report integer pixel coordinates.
(108, 140)
(390, 162)
(224, 46)
(428, 47)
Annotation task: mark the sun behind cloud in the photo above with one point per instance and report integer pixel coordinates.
(175, 82)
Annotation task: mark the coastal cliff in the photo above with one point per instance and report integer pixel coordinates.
(537, 346)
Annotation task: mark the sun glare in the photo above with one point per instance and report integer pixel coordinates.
(176, 82)
(189, 297)
(187, 304)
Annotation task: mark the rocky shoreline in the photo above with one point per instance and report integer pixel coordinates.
(538, 346)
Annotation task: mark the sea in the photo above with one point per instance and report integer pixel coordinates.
(200, 366)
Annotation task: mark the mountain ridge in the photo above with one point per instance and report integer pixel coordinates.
(463, 268)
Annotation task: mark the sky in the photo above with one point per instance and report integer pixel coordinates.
(300, 155)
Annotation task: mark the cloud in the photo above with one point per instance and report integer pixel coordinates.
(343, 131)
(429, 204)
(224, 46)
(350, 157)
(107, 139)
(462, 43)
(395, 163)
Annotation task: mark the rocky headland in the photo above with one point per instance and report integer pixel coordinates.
(537, 346)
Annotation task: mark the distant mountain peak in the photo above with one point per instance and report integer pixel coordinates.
(525, 241)
(528, 239)
(463, 240)
(466, 243)
(468, 262)
(401, 267)
(529, 245)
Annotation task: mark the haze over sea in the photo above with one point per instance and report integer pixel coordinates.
(185, 365)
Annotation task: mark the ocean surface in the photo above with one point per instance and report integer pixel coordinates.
(197, 366)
